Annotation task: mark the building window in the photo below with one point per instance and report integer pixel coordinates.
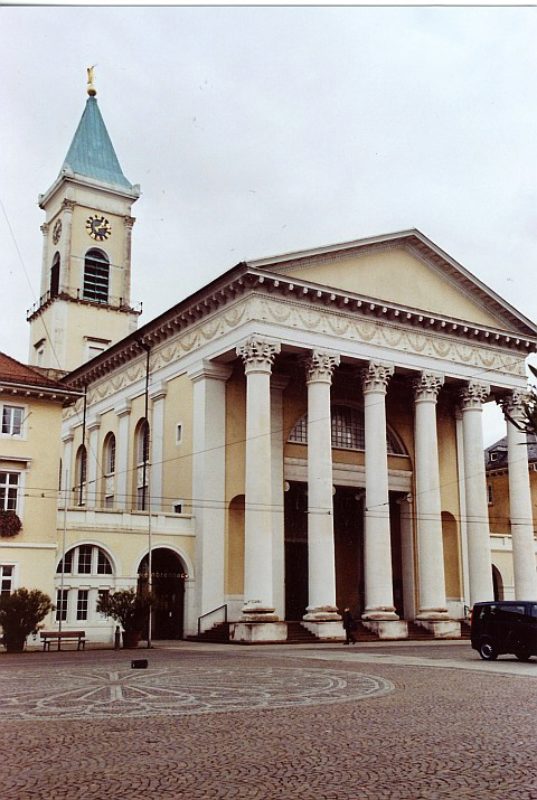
(96, 276)
(493, 455)
(89, 569)
(109, 459)
(142, 467)
(347, 425)
(84, 559)
(39, 348)
(7, 573)
(178, 433)
(12, 420)
(490, 494)
(178, 507)
(61, 604)
(9, 491)
(101, 594)
(80, 475)
(82, 604)
(55, 276)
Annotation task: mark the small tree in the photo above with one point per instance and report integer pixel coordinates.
(20, 614)
(128, 607)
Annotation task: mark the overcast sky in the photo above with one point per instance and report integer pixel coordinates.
(255, 131)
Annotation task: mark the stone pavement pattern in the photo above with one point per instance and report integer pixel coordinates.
(300, 728)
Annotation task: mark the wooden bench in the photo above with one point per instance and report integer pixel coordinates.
(70, 636)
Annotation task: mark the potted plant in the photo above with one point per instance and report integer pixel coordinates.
(131, 609)
(20, 614)
(10, 523)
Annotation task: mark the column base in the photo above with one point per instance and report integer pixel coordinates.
(255, 612)
(258, 632)
(321, 614)
(441, 628)
(387, 628)
(325, 630)
(432, 614)
(381, 613)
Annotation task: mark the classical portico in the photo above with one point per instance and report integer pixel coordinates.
(331, 448)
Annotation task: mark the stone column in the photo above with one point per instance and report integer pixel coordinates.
(278, 384)
(68, 282)
(127, 249)
(258, 356)
(479, 561)
(93, 462)
(377, 545)
(321, 554)
(432, 591)
(520, 505)
(123, 472)
(157, 394)
(209, 481)
(68, 469)
(44, 260)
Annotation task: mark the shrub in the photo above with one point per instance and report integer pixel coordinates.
(20, 614)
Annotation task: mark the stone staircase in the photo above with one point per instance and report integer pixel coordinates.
(298, 634)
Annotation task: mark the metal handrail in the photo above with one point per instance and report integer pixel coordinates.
(72, 294)
(208, 614)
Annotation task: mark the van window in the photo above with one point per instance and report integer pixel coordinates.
(533, 611)
(511, 613)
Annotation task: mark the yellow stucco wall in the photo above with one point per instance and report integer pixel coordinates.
(394, 275)
(177, 468)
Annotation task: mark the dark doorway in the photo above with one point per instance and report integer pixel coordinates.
(397, 561)
(296, 550)
(349, 547)
(168, 585)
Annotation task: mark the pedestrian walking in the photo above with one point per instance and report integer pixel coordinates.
(349, 624)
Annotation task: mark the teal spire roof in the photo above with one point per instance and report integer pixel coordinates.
(91, 152)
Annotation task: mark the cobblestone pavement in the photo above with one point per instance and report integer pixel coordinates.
(263, 723)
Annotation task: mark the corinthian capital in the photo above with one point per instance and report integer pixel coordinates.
(258, 354)
(68, 205)
(515, 405)
(474, 395)
(320, 365)
(376, 376)
(427, 386)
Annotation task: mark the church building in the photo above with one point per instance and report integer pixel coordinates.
(301, 435)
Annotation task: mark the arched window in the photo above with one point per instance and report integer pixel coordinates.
(80, 475)
(96, 276)
(87, 574)
(55, 276)
(347, 431)
(142, 467)
(109, 464)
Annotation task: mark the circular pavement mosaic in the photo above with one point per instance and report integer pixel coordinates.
(103, 692)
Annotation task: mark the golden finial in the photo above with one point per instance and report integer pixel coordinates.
(92, 91)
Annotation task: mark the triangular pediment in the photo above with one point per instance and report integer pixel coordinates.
(404, 269)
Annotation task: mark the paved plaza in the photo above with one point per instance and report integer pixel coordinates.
(414, 721)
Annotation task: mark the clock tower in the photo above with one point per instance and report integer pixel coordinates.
(84, 305)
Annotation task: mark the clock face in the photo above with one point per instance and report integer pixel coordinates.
(57, 231)
(98, 228)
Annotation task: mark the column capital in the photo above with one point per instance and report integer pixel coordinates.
(258, 354)
(474, 395)
(93, 425)
(320, 365)
(123, 408)
(158, 391)
(376, 376)
(44, 228)
(427, 386)
(208, 369)
(514, 405)
(68, 437)
(68, 205)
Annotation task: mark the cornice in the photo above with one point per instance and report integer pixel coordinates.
(210, 312)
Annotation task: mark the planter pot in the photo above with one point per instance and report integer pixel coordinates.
(131, 639)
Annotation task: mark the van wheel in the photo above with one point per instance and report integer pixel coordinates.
(523, 655)
(487, 651)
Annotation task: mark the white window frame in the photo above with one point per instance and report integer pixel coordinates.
(12, 578)
(18, 503)
(24, 415)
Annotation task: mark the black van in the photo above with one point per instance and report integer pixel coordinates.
(508, 626)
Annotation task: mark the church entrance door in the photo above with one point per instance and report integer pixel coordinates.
(168, 586)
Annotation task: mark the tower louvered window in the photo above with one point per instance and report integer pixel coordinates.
(96, 276)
